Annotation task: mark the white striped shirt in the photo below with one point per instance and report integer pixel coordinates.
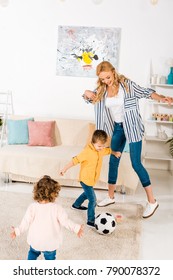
(132, 124)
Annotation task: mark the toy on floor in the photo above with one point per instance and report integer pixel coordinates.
(105, 223)
(119, 218)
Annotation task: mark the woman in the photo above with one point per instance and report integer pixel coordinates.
(117, 112)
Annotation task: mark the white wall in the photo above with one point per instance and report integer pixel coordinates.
(28, 43)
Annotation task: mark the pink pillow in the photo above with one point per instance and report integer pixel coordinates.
(41, 133)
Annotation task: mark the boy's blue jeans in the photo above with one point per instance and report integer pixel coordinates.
(34, 254)
(118, 142)
(89, 194)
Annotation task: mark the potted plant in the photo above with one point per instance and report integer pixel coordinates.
(1, 121)
(170, 141)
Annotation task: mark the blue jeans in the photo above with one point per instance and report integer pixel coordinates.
(89, 194)
(34, 254)
(118, 142)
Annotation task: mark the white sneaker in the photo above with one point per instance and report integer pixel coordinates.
(150, 209)
(105, 202)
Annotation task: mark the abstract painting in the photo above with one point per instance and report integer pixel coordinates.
(80, 49)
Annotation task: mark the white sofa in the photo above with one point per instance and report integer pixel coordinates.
(28, 163)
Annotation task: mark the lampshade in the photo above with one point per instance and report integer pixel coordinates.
(4, 3)
(97, 1)
(94, 1)
(154, 2)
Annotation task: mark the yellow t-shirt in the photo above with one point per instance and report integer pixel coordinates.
(91, 163)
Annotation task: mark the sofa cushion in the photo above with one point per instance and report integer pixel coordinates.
(71, 132)
(18, 131)
(41, 133)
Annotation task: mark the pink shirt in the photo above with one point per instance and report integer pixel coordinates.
(45, 222)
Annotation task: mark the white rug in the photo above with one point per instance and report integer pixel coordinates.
(122, 244)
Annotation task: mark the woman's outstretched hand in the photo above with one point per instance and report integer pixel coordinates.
(89, 95)
(167, 99)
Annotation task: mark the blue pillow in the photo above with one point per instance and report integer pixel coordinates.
(18, 131)
(126, 148)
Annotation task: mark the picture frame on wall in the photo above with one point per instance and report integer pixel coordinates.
(80, 49)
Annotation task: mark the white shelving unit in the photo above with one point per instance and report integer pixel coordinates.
(157, 154)
(6, 108)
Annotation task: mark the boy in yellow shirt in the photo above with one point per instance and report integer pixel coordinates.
(90, 158)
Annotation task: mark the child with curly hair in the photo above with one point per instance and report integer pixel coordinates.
(44, 220)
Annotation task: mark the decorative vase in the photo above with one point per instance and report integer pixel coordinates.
(170, 77)
(162, 135)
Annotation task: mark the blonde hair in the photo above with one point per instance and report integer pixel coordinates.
(106, 66)
(46, 189)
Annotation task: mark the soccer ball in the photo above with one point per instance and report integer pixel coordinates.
(105, 223)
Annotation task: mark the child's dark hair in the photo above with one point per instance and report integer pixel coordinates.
(99, 135)
(46, 189)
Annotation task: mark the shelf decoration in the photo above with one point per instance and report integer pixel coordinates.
(162, 135)
(162, 117)
(170, 77)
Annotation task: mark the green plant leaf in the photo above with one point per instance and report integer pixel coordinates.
(170, 140)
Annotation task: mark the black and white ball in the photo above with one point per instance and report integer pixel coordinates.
(105, 223)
